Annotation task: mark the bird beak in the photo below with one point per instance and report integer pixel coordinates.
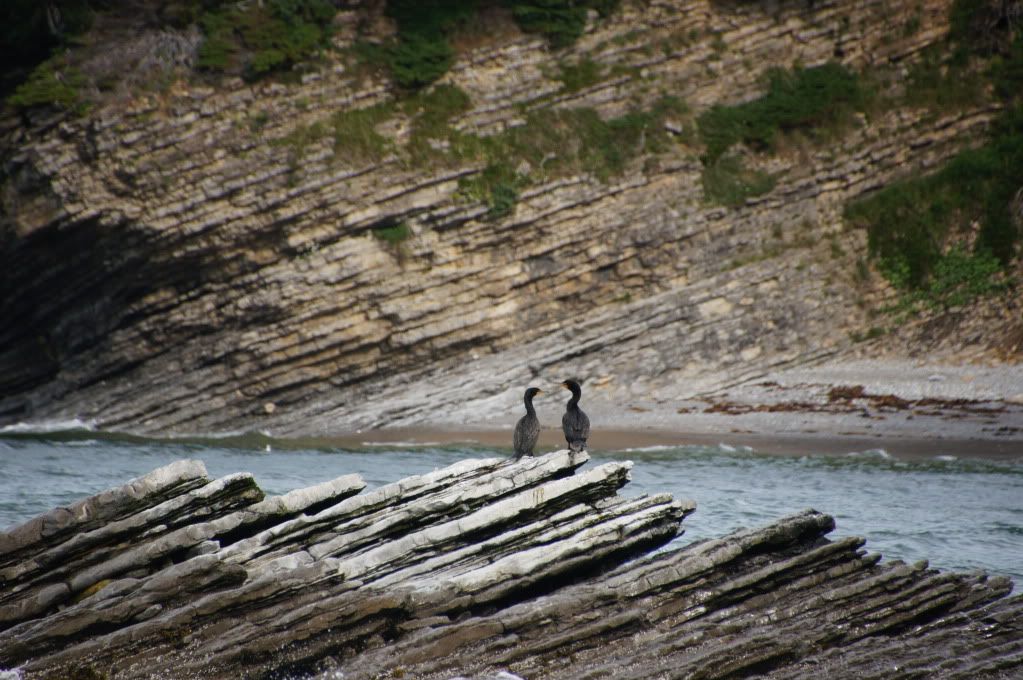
(539, 391)
(565, 385)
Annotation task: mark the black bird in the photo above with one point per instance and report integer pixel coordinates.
(575, 423)
(528, 428)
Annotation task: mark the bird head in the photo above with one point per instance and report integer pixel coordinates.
(572, 386)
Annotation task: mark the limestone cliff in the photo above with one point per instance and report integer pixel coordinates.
(182, 263)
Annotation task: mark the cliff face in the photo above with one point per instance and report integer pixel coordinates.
(178, 264)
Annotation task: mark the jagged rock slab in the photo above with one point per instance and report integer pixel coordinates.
(533, 567)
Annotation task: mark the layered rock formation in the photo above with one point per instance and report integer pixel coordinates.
(176, 264)
(533, 567)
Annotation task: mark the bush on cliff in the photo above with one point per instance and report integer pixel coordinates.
(421, 51)
(805, 99)
(258, 38)
(917, 229)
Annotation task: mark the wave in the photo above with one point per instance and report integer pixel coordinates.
(879, 454)
(49, 427)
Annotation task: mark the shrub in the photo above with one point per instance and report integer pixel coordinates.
(393, 234)
(909, 223)
(258, 38)
(49, 85)
(422, 53)
(808, 99)
(560, 21)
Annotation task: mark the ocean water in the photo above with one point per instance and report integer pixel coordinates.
(957, 514)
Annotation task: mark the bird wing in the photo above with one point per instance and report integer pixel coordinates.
(576, 425)
(519, 433)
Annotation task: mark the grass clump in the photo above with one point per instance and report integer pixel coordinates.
(355, 135)
(497, 186)
(727, 181)
(810, 100)
(558, 143)
(393, 235)
(50, 84)
(578, 76)
(941, 84)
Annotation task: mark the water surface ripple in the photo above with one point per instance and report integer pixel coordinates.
(958, 514)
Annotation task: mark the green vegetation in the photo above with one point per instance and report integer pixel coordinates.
(560, 21)
(727, 181)
(393, 235)
(355, 135)
(50, 84)
(816, 102)
(422, 52)
(30, 43)
(557, 143)
(910, 224)
(430, 112)
(942, 85)
(578, 76)
(811, 100)
(257, 38)
(918, 229)
(497, 186)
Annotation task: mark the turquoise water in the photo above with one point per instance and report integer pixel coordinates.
(958, 514)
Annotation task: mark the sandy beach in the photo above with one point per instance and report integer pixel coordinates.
(907, 408)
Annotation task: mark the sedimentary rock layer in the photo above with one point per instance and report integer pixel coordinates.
(180, 264)
(537, 567)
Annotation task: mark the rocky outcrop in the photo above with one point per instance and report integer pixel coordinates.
(181, 264)
(535, 567)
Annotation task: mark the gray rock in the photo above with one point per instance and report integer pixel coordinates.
(485, 569)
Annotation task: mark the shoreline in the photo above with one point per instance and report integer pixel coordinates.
(629, 439)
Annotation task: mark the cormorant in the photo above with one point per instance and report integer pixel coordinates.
(528, 428)
(575, 423)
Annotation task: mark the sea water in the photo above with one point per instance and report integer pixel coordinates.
(957, 514)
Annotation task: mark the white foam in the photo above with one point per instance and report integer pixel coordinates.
(870, 453)
(644, 449)
(46, 426)
(400, 445)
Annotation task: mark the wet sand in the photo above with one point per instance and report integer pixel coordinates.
(624, 439)
(910, 409)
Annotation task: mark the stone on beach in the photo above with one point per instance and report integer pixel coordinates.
(485, 568)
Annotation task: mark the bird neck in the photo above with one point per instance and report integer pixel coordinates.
(574, 401)
(530, 411)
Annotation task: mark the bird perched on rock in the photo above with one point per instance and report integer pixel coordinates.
(528, 428)
(575, 423)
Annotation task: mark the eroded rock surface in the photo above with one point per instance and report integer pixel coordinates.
(536, 567)
(176, 264)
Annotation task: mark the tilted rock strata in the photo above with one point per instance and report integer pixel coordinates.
(531, 566)
(179, 268)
